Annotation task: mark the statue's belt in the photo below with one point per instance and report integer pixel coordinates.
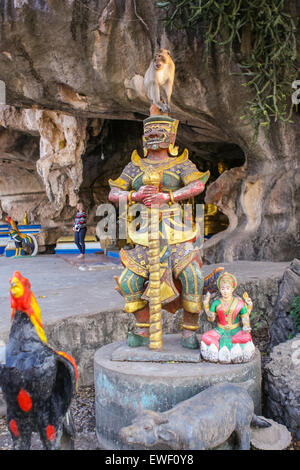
(164, 212)
(143, 270)
(171, 228)
(228, 327)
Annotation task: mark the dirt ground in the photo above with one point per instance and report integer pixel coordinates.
(83, 410)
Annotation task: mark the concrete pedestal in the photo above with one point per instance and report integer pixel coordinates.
(122, 388)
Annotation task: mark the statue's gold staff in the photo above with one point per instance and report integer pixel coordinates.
(152, 178)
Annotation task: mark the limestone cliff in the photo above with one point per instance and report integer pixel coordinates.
(73, 71)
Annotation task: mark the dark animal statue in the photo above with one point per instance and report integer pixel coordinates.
(204, 421)
(37, 382)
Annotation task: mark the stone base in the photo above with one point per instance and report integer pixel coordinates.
(172, 351)
(123, 388)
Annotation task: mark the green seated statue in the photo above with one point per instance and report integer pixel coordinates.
(230, 341)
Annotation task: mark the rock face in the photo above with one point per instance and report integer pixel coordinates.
(41, 166)
(283, 325)
(282, 385)
(71, 66)
(20, 185)
(282, 372)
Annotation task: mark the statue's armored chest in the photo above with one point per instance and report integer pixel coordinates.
(170, 171)
(175, 173)
(170, 180)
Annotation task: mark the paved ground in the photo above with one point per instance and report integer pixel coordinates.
(65, 286)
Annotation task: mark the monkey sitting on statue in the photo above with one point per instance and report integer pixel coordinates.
(159, 79)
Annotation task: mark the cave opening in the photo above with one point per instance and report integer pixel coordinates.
(217, 158)
(109, 148)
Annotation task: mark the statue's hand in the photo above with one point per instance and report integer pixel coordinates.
(206, 302)
(247, 329)
(206, 299)
(143, 193)
(157, 199)
(210, 316)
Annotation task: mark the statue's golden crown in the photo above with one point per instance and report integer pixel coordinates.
(161, 120)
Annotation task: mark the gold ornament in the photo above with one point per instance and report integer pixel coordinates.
(153, 177)
(25, 219)
(173, 151)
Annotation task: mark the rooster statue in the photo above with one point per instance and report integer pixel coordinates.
(25, 241)
(37, 382)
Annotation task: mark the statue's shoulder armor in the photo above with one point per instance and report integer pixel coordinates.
(130, 170)
(176, 161)
(124, 181)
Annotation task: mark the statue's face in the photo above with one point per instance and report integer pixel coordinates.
(157, 136)
(226, 290)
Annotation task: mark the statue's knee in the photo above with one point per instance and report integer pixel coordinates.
(132, 289)
(192, 285)
(192, 303)
(130, 283)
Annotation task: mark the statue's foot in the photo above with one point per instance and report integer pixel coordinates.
(164, 108)
(134, 340)
(190, 342)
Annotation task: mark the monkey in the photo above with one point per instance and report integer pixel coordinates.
(159, 79)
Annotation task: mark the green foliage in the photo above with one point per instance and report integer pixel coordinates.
(264, 33)
(295, 312)
(255, 319)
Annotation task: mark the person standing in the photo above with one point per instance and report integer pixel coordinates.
(80, 229)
